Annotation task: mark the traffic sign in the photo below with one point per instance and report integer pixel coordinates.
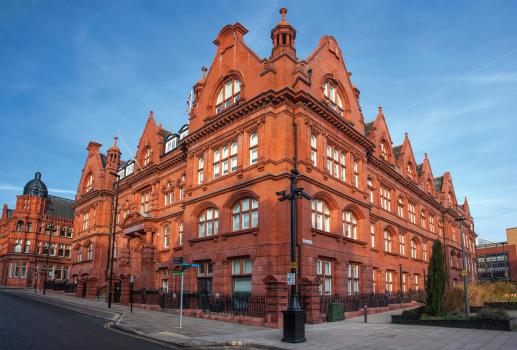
(293, 264)
(291, 279)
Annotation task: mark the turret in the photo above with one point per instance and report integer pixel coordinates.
(113, 156)
(283, 36)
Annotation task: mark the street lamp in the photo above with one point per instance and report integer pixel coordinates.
(112, 240)
(294, 316)
(464, 271)
(50, 230)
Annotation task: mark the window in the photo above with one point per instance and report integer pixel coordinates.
(16, 270)
(400, 207)
(387, 241)
(353, 279)
(89, 254)
(208, 223)
(29, 227)
(372, 235)
(205, 269)
(181, 193)
(19, 226)
(416, 283)
(165, 286)
(411, 213)
(413, 249)
(18, 245)
(23, 273)
(89, 183)
(431, 223)
(144, 202)
(181, 234)
(53, 249)
(410, 170)
(332, 97)
(389, 281)
(385, 199)
(402, 244)
(356, 173)
(324, 272)
(245, 214)
(86, 218)
(147, 156)
(404, 282)
(166, 236)
(241, 276)
(374, 280)
(225, 160)
(422, 219)
(61, 250)
(336, 163)
(349, 224)
(229, 94)
(79, 255)
(369, 184)
(253, 148)
(320, 215)
(384, 153)
(130, 168)
(424, 251)
(27, 246)
(314, 150)
(200, 164)
(170, 145)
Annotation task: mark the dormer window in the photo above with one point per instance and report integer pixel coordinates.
(130, 168)
(147, 156)
(409, 170)
(229, 94)
(170, 145)
(331, 94)
(384, 153)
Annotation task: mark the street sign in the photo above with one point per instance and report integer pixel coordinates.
(291, 279)
(293, 264)
(177, 273)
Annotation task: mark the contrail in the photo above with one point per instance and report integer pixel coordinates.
(453, 82)
(131, 153)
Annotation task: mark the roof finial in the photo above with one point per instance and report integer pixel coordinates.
(283, 11)
(115, 139)
(405, 135)
(151, 114)
(204, 70)
(380, 109)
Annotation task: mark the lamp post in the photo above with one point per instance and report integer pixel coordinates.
(464, 271)
(294, 316)
(112, 240)
(50, 230)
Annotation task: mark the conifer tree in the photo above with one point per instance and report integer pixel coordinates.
(436, 279)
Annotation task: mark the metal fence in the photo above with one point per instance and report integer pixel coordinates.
(148, 297)
(354, 302)
(234, 305)
(62, 286)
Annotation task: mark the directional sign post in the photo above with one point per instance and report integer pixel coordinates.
(181, 271)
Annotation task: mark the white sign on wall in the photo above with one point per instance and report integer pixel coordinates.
(291, 279)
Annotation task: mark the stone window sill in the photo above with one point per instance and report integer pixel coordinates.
(253, 231)
(325, 233)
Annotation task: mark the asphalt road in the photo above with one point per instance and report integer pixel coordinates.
(29, 324)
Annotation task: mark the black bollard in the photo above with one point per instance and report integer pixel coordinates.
(365, 314)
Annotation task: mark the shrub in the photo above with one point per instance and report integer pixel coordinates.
(453, 300)
(413, 313)
(493, 314)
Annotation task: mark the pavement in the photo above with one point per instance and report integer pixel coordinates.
(349, 334)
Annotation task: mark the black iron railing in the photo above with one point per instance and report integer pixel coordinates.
(148, 297)
(234, 305)
(354, 302)
(61, 286)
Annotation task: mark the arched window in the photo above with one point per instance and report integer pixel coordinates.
(410, 170)
(400, 207)
(89, 183)
(413, 249)
(29, 227)
(330, 91)
(19, 226)
(320, 215)
(200, 165)
(424, 251)
(147, 156)
(245, 214)
(180, 238)
(166, 236)
(79, 254)
(422, 218)
(89, 254)
(253, 148)
(369, 184)
(208, 222)
(228, 95)
(387, 241)
(349, 224)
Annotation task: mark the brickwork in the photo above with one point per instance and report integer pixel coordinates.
(208, 192)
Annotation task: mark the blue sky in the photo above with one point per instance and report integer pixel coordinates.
(444, 71)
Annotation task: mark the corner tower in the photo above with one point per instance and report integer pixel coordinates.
(283, 36)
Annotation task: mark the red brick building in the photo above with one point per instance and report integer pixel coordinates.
(25, 237)
(208, 192)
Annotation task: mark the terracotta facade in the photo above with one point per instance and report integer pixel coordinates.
(25, 237)
(208, 192)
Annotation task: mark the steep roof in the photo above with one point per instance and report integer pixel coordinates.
(419, 168)
(438, 184)
(367, 128)
(396, 151)
(62, 207)
(104, 160)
